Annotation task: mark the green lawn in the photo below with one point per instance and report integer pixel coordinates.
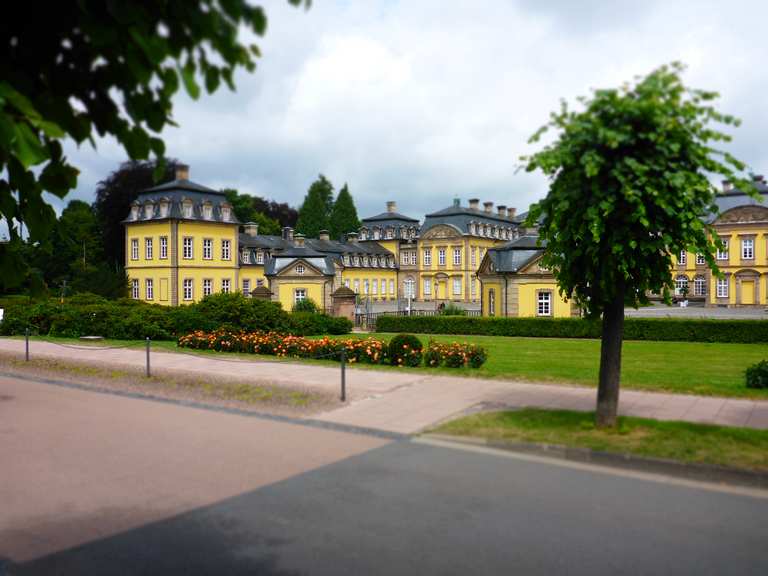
(700, 443)
(681, 367)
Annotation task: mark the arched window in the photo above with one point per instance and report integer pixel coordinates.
(681, 285)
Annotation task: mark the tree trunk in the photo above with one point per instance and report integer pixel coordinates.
(610, 362)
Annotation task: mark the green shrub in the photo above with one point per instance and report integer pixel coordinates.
(405, 350)
(306, 305)
(236, 312)
(757, 375)
(453, 310)
(311, 324)
(454, 355)
(691, 330)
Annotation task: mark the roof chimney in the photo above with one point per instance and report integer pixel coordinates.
(324, 235)
(182, 172)
(511, 213)
(727, 185)
(298, 240)
(502, 210)
(252, 229)
(474, 203)
(391, 206)
(352, 237)
(758, 178)
(288, 233)
(488, 207)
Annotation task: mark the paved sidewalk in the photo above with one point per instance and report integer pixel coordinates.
(407, 402)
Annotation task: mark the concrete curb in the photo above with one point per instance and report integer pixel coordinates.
(691, 471)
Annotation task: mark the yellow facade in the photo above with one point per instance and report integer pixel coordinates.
(528, 299)
(368, 282)
(314, 289)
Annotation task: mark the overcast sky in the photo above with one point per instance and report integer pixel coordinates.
(422, 101)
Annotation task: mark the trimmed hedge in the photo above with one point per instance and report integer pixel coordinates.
(664, 329)
(126, 319)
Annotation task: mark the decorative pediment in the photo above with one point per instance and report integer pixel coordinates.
(301, 268)
(441, 231)
(743, 215)
(534, 267)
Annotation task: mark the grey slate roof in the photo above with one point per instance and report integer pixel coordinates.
(175, 193)
(390, 219)
(516, 254)
(733, 198)
(461, 217)
(277, 243)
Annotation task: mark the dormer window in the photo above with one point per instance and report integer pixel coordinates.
(164, 205)
(259, 257)
(225, 213)
(149, 209)
(134, 212)
(345, 259)
(390, 233)
(376, 233)
(207, 211)
(244, 257)
(363, 234)
(186, 208)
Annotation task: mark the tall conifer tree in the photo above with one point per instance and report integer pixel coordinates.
(344, 214)
(314, 214)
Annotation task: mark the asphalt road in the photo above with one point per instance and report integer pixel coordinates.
(99, 484)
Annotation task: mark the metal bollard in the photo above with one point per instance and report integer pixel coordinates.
(343, 375)
(26, 344)
(148, 373)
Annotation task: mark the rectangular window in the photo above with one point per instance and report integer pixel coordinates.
(722, 287)
(723, 254)
(375, 287)
(474, 256)
(544, 307)
(225, 250)
(473, 285)
(299, 295)
(163, 247)
(747, 249)
(225, 285)
(148, 248)
(346, 283)
(259, 283)
(700, 259)
(457, 256)
(428, 257)
(134, 248)
(246, 287)
(392, 287)
(187, 253)
(149, 292)
(413, 258)
(207, 287)
(700, 286)
(135, 289)
(207, 249)
(427, 286)
(366, 286)
(457, 286)
(188, 289)
(259, 257)
(683, 258)
(404, 258)
(441, 257)
(357, 287)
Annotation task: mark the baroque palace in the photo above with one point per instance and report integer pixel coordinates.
(184, 242)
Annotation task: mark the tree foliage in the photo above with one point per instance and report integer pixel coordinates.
(106, 67)
(629, 187)
(244, 206)
(343, 217)
(315, 211)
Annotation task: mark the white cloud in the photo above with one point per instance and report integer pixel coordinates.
(423, 101)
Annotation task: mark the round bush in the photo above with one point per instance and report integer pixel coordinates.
(306, 305)
(757, 375)
(405, 350)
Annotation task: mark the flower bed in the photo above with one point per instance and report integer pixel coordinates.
(367, 351)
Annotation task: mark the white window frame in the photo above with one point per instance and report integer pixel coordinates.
(357, 286)
(441, 256)
(413, 258)
(207, 248)
(474, 256)
(699, 286)
(457, 286)
(134, 248)
(722, 287)
(163, 247)
(723, 254)
(226, 249)
(428, 257)
(427, 282)
(391, 287)
(259, 257)
(299, 295)
(374, 287)
(207, 287)
(682, 258)
(681, 281)
(366, 286)
(457, 256)
(135, 288)
(188, 289)
(149, 249)
(390, 233)
(149, 289)
(747, 248)
(300, 269)
(544, 303)
(700, 259)
(246, 287)
(188, 248)
(226, 285)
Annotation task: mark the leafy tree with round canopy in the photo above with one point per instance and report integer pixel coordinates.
(629, 186)
(79, 67)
